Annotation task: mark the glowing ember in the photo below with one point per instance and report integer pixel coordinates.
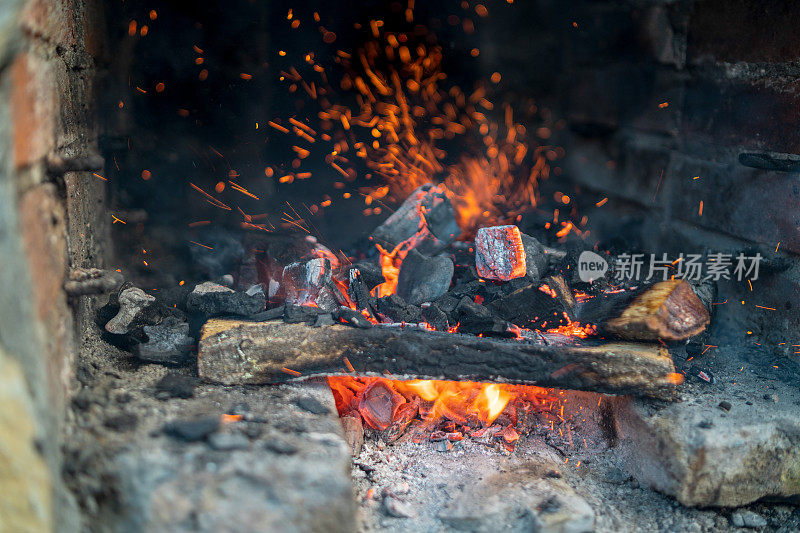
(383, 403)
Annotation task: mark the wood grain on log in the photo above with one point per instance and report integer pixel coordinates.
(238, 352)
(668, 310)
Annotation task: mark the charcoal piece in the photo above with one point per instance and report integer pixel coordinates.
(86, 281)
(423, 279)
(515, 284)
(447, 302)
(134, 304)
(329, 298)
(228, 441)
(439, 219)
(303, 281)
(354, 318)
(533, 306)
(212, 299)
(167, 343)
(325, 319)
(467, 289)
(312, 405)
(357, 289)
(476, 319)
(435, 317)
(192, 429)
(536, 261)
(176, 386)
(499, 253)
(396, 308)
(269, 314)
(371, 274)
(294, 314)
(378, 404)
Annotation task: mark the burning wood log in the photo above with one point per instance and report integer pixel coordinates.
(668, 310)
(239, 352)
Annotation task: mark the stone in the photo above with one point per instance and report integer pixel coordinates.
(423, 279)
(521, 499)
(168, 342)
(397, 508)
(212, 299)
(176, 386)
(133, 304)
(228, 441)
(744, 518)
(703, 456)
(192, 429)
(26, 504)
(312, 405)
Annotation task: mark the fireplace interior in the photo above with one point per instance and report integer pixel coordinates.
(400, 266)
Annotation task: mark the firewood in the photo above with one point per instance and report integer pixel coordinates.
(250, 353)
(668, 310)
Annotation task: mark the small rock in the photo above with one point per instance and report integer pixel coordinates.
(705, 424)
(168, 342)
(133, 302)
(228, 441)
(423, 279)
(121, 421)
(281, 446)
(193, 429)
(397, 508)
(725, 406)
(176, 386)
(744, 518)
(312, 405)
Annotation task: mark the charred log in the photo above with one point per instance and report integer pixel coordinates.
(238, 352)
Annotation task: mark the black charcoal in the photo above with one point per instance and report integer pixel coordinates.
(212, 299)
(354, 318)
(371, 274)
(536, 260)
(294, 314)
(439, 220)
(303, 281)
(435, 317)
(396, 308)
(423, 279)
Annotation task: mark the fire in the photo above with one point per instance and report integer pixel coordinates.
(382, 402)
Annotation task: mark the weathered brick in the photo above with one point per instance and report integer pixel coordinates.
(42, 226)
(33, 109)
(741, 114)
(754, 205)
(744, 30)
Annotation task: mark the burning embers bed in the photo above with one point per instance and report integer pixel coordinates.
(501, 309)
(444, 412)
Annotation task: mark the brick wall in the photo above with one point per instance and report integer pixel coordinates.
(657, 93)
(51, 221)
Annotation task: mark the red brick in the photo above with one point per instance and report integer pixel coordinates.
(33, 110)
